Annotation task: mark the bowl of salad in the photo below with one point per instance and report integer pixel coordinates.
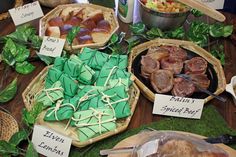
(164, 14)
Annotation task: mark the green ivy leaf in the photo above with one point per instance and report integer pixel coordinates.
(114, 38)
(29, 117)
(154, 33)
(8, 58)
(24, 67)
(46, 59)
(177, 33)
(72, 34)
(9, 92)
(8, 149)
(137, 28)
(196, 12)
(31, 152)
(23, 33)
(36, 41)
(228, 30)
(22, 53)
(18, 137)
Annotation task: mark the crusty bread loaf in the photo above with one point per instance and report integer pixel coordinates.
(56, 21)
(99, 35)
(53, 31)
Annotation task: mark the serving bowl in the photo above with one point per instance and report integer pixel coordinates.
(214, 70)
(230, 88)
(163, 20)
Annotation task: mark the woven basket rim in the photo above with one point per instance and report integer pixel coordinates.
(188, 45)
(9, 124)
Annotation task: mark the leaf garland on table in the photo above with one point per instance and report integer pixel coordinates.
(9, 92)
(72, 34)
(198, 32)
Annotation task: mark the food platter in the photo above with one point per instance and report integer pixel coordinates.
(108, 15)
(138, 138)
(59, 126)
(214, 70)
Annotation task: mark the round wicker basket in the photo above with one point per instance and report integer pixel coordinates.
(8, 126)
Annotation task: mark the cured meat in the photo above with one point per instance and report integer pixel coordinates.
(157, 53)
(162, 81)
(148, 66)
(196, 65)
(174, 66)
(182, 88)
(176, 53)
(201, 80)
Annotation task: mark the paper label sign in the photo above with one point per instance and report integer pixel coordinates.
(178, 106)
(215, 4)
(50, 143)
(26, 13)
(52, 46)
(82, 1)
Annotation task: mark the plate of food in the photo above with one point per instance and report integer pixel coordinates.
(160, 66)
(97, 24)
(173, 143)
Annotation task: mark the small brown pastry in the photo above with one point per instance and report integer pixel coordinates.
(53, 31)
(74, 21)
(100, 35)
(162, 81)
(104, 24)
(88, 23)
(65, 29)
(56, 21)
(66, 13)
(84, 31)
(96, 16)
(86, 39)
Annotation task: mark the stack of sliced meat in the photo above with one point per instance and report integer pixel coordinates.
(161, 63)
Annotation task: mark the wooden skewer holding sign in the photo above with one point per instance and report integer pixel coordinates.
(204, 9)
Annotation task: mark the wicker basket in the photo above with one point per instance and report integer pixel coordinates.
(38, 83)
(108, 13)
(187, 45)
(8, 126)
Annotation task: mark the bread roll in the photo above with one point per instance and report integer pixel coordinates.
(87, 39)
(88, 23)
(104, 24)
(53, 31)
(66, 13)
(65, 29)
(100, 35)
(56, 21)
(74, 21)
(84, 31)
(96, 16)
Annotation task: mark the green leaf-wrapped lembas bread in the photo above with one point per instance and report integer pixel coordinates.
(69, 84)
(59, 63)
(50, 95)
(93, 122)
(53, 75)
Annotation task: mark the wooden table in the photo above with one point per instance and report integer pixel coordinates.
(143, 113)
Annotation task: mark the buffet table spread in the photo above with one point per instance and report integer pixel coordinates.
(143, 112)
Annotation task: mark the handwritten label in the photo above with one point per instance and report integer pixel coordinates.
(82, 1)
(148, 148)
(178, 106)
(50, 143)
(215, 4)
(26, 13)
(52, 46)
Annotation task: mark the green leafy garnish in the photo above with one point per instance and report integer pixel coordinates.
(196, 12)
(220, 30)
(137, 28)
(72, 34)
(7, 148)
(29, 117)
(9, 92)
(18, 137)
(177, 33)
(24, 67)
(154, 33)
(218, 52)
(31, 152)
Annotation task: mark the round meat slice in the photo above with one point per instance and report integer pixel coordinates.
(148, 66)
(176, 53)
(182, 88)
(201, 80)
(196, 65)
(162, 81)
(174, 66)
